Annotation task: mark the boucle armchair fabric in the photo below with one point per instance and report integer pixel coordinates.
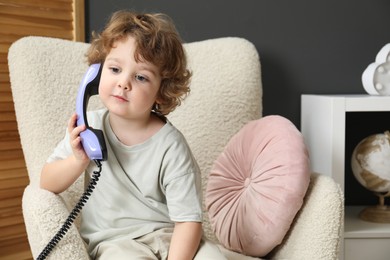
(226, 93)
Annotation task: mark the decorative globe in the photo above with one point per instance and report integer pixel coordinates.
(371, 162)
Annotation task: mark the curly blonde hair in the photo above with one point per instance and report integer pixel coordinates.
(158, 42)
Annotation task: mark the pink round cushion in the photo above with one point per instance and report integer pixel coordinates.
(257, 186)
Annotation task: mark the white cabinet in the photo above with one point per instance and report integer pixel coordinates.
(324, 126)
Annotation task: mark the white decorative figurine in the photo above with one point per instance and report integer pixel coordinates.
(376, 77)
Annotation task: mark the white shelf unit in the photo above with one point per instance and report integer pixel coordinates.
(365, 240)
(323, 125)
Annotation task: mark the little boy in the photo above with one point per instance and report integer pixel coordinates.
(147, 204)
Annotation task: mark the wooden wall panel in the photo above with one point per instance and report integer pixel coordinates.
(19, 18)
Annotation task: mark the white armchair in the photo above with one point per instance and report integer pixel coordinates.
(226, 93)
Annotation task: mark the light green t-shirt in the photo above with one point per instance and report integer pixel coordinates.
(142, 188)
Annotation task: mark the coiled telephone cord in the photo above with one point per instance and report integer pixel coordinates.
(72, 216)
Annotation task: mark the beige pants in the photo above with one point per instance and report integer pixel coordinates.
(152, 246)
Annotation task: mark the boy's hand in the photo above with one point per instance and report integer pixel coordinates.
(70, 168)
(75, 139)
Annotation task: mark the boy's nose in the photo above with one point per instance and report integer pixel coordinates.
(125, 84)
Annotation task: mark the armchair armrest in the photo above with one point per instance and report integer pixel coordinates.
(317, 230)
(44, 214)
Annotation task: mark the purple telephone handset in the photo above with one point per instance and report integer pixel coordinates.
(92, 139)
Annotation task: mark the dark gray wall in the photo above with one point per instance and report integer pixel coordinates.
(305, 46)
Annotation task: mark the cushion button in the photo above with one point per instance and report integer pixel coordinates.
(247, 182)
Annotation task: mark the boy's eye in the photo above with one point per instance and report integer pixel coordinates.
(140, 78)
(114, 70)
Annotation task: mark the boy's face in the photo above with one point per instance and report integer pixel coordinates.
(128, 88)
